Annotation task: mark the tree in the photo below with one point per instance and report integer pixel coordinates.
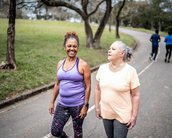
(150, 14)
(10, 55)
(4, 5)
(167, 15)
(156, 12)
(121, 5)
(82, 9)
(138, 14)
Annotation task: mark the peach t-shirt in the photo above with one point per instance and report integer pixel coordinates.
(115, 89)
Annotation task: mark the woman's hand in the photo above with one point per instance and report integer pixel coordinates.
(83, 112)
(131, 123)
(98, 114)
(51, 108)
(135, 107)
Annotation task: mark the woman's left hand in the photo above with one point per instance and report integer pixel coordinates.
(131, 123)
(83, 112)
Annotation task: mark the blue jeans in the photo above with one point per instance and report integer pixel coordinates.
(61, 117)
(115, 129)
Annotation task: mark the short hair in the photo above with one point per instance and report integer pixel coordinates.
(72, 35)
(170, 32)
(127, 50)
(156, 31)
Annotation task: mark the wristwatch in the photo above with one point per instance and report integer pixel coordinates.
(86, 104)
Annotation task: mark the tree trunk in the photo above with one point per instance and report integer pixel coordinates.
(152, 25)
(159, 25)
(46, 13)
(96, 40)
(110, 23)
(117, 27)
(89, 34)
(118, 20)
(10, 55)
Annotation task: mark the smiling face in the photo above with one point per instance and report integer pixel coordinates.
(115, 53)
(71, 47)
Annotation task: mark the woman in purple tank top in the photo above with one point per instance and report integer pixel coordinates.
(72, 87)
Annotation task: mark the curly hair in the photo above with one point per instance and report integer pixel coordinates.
(72, 35)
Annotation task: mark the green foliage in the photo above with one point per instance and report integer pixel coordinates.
(38, 48)
(152, 14)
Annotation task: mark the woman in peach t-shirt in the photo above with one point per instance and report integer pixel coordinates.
(117, 92)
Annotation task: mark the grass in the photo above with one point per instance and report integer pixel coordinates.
(38, 48)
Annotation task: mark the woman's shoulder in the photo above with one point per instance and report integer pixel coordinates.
(82, 62)
(103, 66)
(59, 64)
(130, 67)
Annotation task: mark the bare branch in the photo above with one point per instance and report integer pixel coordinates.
(84, 4)
(23, 4)
(57, 3)
(96, 8)
(120, 8)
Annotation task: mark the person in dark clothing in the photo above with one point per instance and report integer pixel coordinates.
(155, 39)
(168, 41)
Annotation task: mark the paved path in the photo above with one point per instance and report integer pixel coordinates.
(30, 118)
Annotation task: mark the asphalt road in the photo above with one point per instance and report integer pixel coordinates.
(30, 118)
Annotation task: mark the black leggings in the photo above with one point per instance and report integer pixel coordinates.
(61, 117)
(168, 51)
(115, 129)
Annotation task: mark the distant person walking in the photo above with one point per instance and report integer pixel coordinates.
(168, 41)
(155, 39)
(117, 92)
(72, 86)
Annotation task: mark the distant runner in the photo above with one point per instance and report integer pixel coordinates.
(155, 39)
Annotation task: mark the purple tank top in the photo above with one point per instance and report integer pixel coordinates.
(71, 87)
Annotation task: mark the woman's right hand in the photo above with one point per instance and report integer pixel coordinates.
(51, 108)
(98, 114)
